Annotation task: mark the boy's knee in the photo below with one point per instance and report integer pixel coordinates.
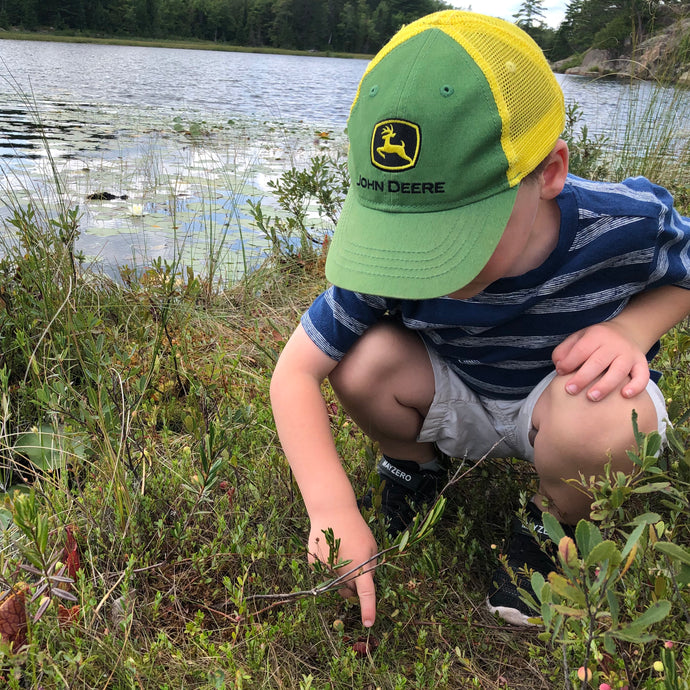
(386, 357)
(574, 426)
(576, 436)
(379, 350)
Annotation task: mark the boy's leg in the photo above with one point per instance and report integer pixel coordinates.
(573, 435)
(386, 383)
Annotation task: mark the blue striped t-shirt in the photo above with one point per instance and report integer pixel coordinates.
(616, 240)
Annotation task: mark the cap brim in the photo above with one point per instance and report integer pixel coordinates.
(415, 255)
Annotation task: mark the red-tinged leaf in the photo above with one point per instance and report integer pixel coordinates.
(45, 603)
(13, 618)
(67, 616)
(30, 569)
(71, 554)
(62, 579)
(63, 594)
(365, 646)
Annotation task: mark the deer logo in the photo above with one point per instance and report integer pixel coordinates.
(395, 145)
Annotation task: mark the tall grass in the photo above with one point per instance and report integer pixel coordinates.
(152, 532)
(652, 122)
(656, 134)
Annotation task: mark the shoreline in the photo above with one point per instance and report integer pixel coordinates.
(178, 44)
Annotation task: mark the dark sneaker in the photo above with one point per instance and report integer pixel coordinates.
(525, 554)
(405, 491)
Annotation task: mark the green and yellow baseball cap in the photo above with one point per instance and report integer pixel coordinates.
(449, 117)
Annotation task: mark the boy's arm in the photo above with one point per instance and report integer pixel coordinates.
(616, 349)
(304, 430)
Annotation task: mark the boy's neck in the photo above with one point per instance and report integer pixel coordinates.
(543, 238)
(529, 238)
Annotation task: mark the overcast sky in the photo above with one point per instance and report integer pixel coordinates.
(505, 9)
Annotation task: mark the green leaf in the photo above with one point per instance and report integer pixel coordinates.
(646, 519)
(652, 444)
(605, 551)
(683, 577)
(527, 598)
(673, 551)
(566, 590)
(47, 450)
(37, 447)
(674, 441)
(655, 613)
(547, 614)
(633, 539)
(537, 581)
(590, 535)
(634, 458)
(553, 527)
(610, 644)
(630, 635)
(432, 518)
(569, 611)
(614, 607)
(652, 488)
(404, 538)
(5, 518)
(582, 540)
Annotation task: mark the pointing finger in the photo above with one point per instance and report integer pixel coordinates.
(367, 598)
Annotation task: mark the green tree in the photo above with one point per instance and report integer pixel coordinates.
(353, 25)
(530, 14)
(282, 29)
(28, 14)
(259, 22)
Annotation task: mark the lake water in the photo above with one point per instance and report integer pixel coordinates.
(188, 137)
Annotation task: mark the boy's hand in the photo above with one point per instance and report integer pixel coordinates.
(604, 355)
(358, 546)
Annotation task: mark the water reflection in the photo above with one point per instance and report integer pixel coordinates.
(272, 86)
(629, 112)
(28, 131)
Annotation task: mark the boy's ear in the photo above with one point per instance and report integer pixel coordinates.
(555, 171)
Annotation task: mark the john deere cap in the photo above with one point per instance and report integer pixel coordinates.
(449, 117)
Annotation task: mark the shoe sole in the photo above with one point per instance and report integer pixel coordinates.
(513, 616)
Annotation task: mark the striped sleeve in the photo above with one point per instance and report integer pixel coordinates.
(337, 318)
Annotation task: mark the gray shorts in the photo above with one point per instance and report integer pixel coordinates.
(466, 425)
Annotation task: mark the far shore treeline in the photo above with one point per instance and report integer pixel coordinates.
(357, 26)
(343, 26)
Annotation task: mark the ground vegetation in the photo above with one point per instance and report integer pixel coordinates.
(152, 535)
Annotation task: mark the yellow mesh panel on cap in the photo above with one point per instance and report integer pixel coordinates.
(527, 95)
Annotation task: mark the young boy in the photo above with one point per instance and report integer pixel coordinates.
(484, 301)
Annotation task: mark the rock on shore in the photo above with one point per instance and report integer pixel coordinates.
(658, 57)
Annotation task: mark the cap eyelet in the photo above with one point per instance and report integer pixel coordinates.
(373, 90)
(446, 90)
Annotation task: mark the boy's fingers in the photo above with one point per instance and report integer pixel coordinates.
(367, 598)
(639, 378)
(619, 376)
(570, 355)
(590, 370)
